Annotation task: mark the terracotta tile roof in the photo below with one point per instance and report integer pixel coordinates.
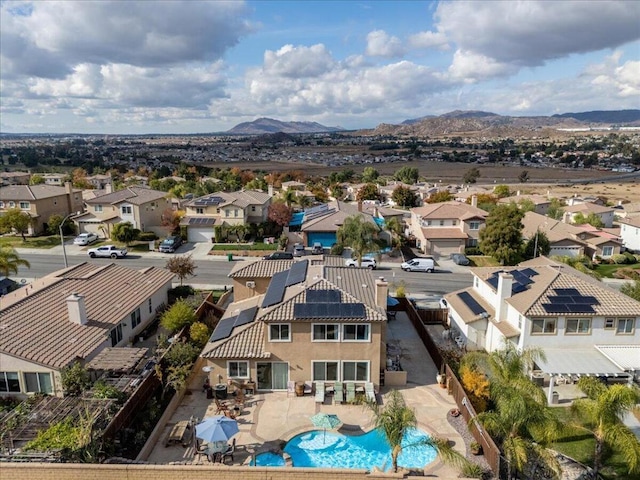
(449, 210)
(132, 195)
(438, 232)
(260, 268)
(32, 192)
(587, 208)
(35, 323)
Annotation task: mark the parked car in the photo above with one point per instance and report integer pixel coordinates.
(366, 262)
(108, 251)
(419, 265)
(85, 239)
(317, 248)
(459, 259)
(170, 244)
(298, 250)
(279, 256)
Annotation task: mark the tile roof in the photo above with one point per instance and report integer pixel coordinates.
(35, 321)
(449, 210)
(32, 192)
(461, 308)
(241, 199)
(334, 219)
(260, 268)
(555, 230)
(437, 232)
(587, 208)
(632, 221)
(134, 195)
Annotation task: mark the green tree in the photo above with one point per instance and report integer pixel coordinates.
(524, 176)
(182, 266)
(125, 232)
(10, 261)
(199, 333)
(359, 234)
(280, 213)
(471, 175)
(175, 378)
(396, 229)
(54, 225)
(555, 210)
(602, 412)
(631, 289)
(17, 220)
(408, 175)
(501, 237)
(526, 205)
(439, 197)
(179, 315)
(538, 245)
(501, 191)
(591, 219)
(395, 418)
(370, 175)
(404, 197)
(75, 379)
(368, 191)
(582, 264)
(289, 197)
(36, 179)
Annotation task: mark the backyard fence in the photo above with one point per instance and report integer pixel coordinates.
(422, 332)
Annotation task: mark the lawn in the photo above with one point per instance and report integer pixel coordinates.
(245, 246)
(31, 242)
(606, 270)
(482, 261)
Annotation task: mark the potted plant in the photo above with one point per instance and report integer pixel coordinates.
(475, 448)
(442, 380)
(454, 412)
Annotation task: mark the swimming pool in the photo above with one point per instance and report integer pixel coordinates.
(268, 459)
(313, 449)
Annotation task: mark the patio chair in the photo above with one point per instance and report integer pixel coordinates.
(291, 388)
(319, 392)
(228, 453)
(338, 393)
(308, 387)
(369, 392)
(351, 392)
(202, 449)
(221, 407)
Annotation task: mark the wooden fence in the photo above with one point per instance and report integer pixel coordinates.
(416, 320)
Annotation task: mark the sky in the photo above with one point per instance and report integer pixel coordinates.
(195, 66)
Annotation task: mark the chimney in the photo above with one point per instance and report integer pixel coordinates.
(270, 190)
(474, 201)
(77, 309)
(108, 188)
(505, 283)
(566, 217)
(518, 193)
(360, 206)
(619, 203)
(382, 291)
(68, 188)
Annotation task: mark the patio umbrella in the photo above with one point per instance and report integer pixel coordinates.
(392, 302)
(325, 420)
(216, 429)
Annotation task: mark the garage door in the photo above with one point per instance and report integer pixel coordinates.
(565, 251)
(86, 227)
(327, 239)
(444, 248)
(195, 234)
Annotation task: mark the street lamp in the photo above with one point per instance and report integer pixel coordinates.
(64, 252)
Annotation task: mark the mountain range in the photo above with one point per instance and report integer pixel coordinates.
(270, 125)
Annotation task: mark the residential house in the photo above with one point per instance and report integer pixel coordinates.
(604, 213)
(101, 182)
(222, 208)
(541, 202)
(315, 322)
(55, 179)
(41, 202)
(72, 315)
(141, 206)
(630, 233)
(386, 191)
(14, 178)
(583, 326)
(568, 240)
(441, 229)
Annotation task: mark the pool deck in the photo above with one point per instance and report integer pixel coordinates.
(269, 419)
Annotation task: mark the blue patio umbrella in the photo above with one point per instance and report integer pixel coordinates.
(216, 429)
(392, 302)
(325, 420)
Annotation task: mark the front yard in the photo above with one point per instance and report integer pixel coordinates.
(31, 242)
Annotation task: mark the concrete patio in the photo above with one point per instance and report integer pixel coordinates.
(269, 419)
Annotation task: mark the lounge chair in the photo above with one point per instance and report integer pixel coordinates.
(369, 392)
(308, 387)
(291, 388)
(338, 394)
(319, 392)
(351, 392)
(221, 407)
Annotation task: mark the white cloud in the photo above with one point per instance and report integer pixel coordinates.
(423, 40)
(381, 44)
(470, 67)
(296, 62)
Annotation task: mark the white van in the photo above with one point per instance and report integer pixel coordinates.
(419, 265)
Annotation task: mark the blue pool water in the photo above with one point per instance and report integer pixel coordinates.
(268, 459)
(314, 449)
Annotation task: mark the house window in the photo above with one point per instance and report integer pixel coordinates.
(578, 325)
(454, 222)
(25, 205)
(127, 209)
(325, 371)
(200, 211)
(609, 323)
(428, 223)
(38, 382)
(116, 335)
(355, 371)
(235, 212)
(97, 208)
(357, 333)
(12, 204)
(135, 318)
(472, 242)
(625, 325)
(238, 369)
(326, 332)
(217, 210)
(543, 325)
(150, 306)
(253, 208)
(442, 223)
(1, 204)
(474, 225)
(9, 382)
(279, 332)
(227, 213)
(606, 251)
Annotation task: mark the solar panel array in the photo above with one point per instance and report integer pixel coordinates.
(324, 296)
(319, 211)
(275, 291)
(226, 325)
(214, 200)
(521, 279)
(328, 310)
(297, 273)
(471, 303)
(202, 221)
(570, 300)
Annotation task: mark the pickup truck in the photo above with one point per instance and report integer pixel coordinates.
(107, 251)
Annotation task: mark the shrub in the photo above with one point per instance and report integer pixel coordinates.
(147, 236)
(472, 251)
(102, 390)
(75, 379)
(472, 470)
(476, 385)
(181, 354)
(337, 249)
(182, 291)
(619, 259)
(199, 333)
(178, 316)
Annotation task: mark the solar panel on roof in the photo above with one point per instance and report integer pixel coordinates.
(493, 281)
(517, 287)
(328, 310)
(223, 329)
(561, 299)
(521, 277)
(351, 310)
(586, 299)
(297, 273)
(275, 291)
(579, 308)
(324, 296)
(554, 308)
(246, 316)
(529, 272)
(567, 291)
(471, 303)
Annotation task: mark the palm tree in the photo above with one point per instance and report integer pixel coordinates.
(602, 412)
(395, 418)
(10, 261)
(289, 197)
(358, 234)
(395, 227)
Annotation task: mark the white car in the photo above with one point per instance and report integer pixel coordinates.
(367, 262)
(108, 251)
(85, 239)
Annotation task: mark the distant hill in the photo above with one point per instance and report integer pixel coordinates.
(269, 125)
(603, 116)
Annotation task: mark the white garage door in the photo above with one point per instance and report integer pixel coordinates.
(443, 248)
(90, 228)
(195, 234)
(565, 251)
